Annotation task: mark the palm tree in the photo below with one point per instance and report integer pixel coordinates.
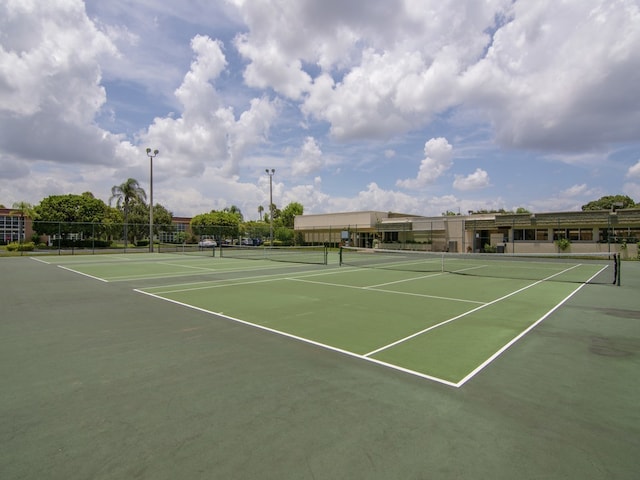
(235, 210)
(260, 211)
(24, 209)
(126, 194)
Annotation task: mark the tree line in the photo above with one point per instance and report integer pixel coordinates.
(608, 202)
(126, 216)
(90, 217)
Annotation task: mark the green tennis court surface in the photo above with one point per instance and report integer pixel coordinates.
(424, 321)
(162, 366)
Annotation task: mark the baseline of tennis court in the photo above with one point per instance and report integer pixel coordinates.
(435, 325)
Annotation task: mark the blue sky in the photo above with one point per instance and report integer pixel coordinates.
(415, 106)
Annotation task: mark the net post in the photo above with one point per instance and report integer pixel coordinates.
(618, 264)
(340, 256)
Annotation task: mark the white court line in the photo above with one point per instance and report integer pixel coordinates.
(81, 273)
(372, 289)
(229, 283)
(97, 259)
(406, 280)
(215, 283)
(40, 260)
(524, 332)
(457, 317)
(203, 285)
(151, 276)
(239, 281)
(373, 360)
(366, 357)
(181, 265)
(305, 340)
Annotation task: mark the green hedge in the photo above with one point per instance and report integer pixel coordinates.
(21, 247)
(81, 243)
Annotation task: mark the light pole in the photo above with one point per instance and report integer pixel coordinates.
(270, 173)
(151, 156)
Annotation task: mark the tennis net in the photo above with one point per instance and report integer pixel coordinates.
(579, 268)
(294, 254)
(186, 249)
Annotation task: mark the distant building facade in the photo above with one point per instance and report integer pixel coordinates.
(13, 227)
(588, 231)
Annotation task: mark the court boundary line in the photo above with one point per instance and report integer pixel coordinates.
(265, 266)
(177, 288)
(36, 259)
(457, 317)
(367, 356)
(82, 273)
(304, 340)
(514, 340)
(374, 289)
(99, 258)
(153, 276)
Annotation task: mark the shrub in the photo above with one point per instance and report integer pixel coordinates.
(563, 243)
(21, 247)
(490, 248)
(89, 243)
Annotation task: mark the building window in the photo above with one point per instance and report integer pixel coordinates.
(559, 234)
(10, 230)
(620, 235)
(542, 235)
(390, 237)
(580, 234)
(531, 234)
(586, 234)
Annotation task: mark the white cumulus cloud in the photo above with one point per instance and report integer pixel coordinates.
(438, 159)
(309, 159)
(474, 181)
(208, 133)
(634, 170)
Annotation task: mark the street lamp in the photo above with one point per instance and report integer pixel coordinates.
(270, 173)
(151, 156)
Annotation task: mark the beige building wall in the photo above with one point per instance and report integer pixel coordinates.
(462, 233)
(360, 227)
(349, 220)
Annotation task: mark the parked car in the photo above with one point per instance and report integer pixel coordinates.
(207, 243)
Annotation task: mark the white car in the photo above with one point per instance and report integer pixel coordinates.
(207, 243)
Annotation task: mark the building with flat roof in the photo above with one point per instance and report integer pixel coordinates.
(586, 231)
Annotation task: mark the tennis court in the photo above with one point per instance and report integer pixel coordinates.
(411, 315)
(360, 346)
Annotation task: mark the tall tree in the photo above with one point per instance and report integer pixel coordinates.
(289, 213)
(260, 212)
(139, 220)
(608, 202)
(276, 214)
(126, 194)
(63, 214)
(235, 210)
(216, 224)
